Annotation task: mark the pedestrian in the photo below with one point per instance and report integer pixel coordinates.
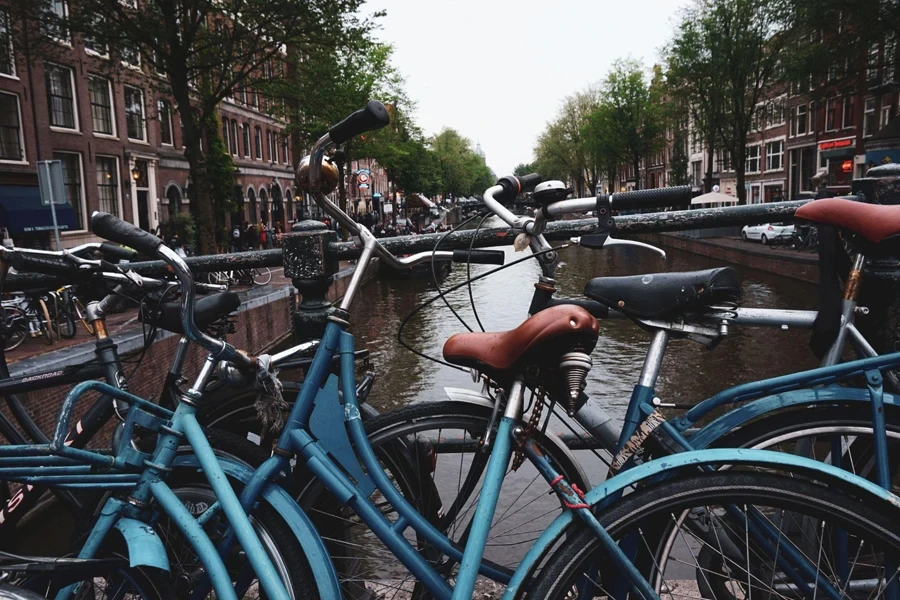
(235, 238)
(263, 236)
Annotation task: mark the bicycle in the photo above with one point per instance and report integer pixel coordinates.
(253, 276)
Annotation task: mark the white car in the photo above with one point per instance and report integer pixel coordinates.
(768, 233)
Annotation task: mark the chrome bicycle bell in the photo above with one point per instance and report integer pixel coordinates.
(551, 191)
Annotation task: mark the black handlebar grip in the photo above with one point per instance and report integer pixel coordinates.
(655, 198)
(29, 263)
(529, 181)
(481, 257)
(373, 116)
(109, 227)
(114, 251)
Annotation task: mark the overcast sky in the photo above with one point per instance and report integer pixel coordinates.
(497, 70)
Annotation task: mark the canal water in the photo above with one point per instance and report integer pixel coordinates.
(689, 374)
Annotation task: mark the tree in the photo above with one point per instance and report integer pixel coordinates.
(463, 173)
(679, 161)
(208, 51)
(629, 123)
(731, 51)
(525, 169)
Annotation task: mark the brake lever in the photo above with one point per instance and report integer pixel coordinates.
(609, 242)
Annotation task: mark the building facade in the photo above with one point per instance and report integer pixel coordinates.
(119, 138)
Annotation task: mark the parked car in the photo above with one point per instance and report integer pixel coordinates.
(768, 233)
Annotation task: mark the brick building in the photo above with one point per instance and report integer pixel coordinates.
(120, 141)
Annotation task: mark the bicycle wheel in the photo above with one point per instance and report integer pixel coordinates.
(127, 583)
(45, 323)
(81, 313)
(16, 327)
(8, 592)
(261, 276)
(61, 317)
(695, 537)
(821, 431)
(276, 536)
(420, 448)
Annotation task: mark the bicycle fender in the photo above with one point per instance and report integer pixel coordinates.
(778, 461)
(480, 399)
(738, 417)
(145, 549)
(303, 528)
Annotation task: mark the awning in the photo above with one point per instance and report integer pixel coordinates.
(21, 211)
(882, 157)
(714, 198)
(419, 201)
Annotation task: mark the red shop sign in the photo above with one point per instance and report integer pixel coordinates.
(847, 166)
(835, 144)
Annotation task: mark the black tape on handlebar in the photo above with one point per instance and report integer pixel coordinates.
(111, 228)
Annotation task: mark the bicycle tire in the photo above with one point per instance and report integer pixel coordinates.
(649, 512)
(418, 482)
(852, 423)
(144, 583)
(81, 313)
(9, 592)
(261, 276)
(63, 321)
(16, 327)
(276, 535)
(46, 325)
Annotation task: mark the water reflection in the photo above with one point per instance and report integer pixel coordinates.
(690, 372)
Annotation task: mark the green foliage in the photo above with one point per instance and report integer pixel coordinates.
(181, 224)
(462, 172)
(525, 169)
(725, 57)
(219, 168)
(566, 151)
(679, 162)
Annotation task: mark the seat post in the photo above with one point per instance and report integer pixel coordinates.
(654, 358)
(848, 307)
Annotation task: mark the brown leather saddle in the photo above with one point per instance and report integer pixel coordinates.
(540, 339)
(875, 223)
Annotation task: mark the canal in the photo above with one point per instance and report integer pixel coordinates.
(690, 371)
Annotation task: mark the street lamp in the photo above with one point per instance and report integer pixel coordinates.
(136, 174)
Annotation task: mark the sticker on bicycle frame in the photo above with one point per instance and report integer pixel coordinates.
(653, 420)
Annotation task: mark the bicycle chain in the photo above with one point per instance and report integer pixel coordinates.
(530, 428)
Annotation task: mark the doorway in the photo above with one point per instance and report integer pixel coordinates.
(142, 194)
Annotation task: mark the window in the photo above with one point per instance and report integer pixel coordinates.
(234, 138)
(134, 113)
(100, 91)
(272, 138)
(12, 147)
(752, 163)
(889, 72)
(284, 150)
(269, 143)
(872, 63)
(7, 57)
(885, 111)
(775, 112)
(71, 166)
(130, 55)
(108, 184)
(246, 131)
(225, 132)
(723, 161)
(831, 106)
(695, 173)
(93, 45)
(165, 122)
(257, 142)
(870, 125)
(800, 125)
(849, 112)
(774, 151)
(53, 21)
(60, 96)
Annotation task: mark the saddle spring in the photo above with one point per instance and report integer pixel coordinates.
(575, 366)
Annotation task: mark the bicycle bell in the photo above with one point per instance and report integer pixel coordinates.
(551, 191)
(328, 178)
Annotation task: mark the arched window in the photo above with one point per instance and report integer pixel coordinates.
(277, 206)
(173, 195)
(263, 206)
(251, 200)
